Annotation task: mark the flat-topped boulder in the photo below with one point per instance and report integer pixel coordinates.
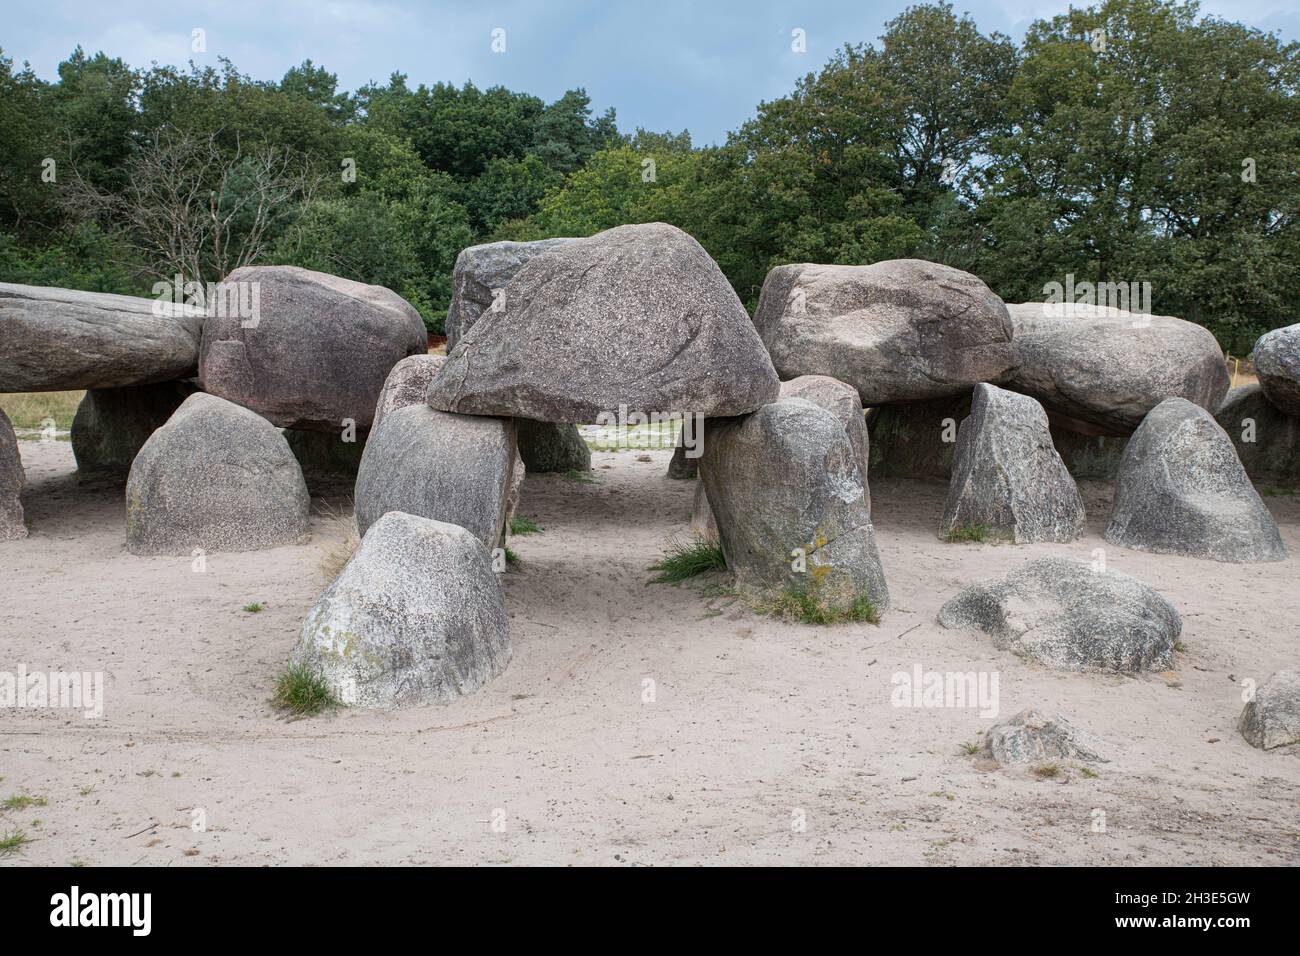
(1007, 478)
(416, 617)
(1182, 490)
(1277, 364)
(1032, 736)
(407, 384)
(215, 477)
(61, 339)
(786, 493)
(112, 424)
(316, 353)
(452, 468)
(1072, 617)
(481, 275)
(1109, 367)
(1267, 439)
(903, 330)
(12, 522)
(635, 318)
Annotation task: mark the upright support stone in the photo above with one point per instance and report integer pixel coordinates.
(12, 523)
(549, 447)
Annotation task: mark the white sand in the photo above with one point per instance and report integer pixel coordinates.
(753, 719)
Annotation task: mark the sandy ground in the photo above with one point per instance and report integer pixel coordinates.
(755, 724)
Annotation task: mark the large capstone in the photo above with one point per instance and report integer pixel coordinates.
(407, 384)
(12, 522)
(480, 277)
(1271, 718)
(316, 352)
(1071, 616)
(416, 617)
(215, 477)
(1110, 367)
(786, 492)
(1267, 440)
(636, 318)
(841, 400)
(1277, 364)
(112, 424)
(59, 339)
(1032, 736)
(548, 447)
(1182, 490)
(904, 330)
(452, 468)
(1007, 478)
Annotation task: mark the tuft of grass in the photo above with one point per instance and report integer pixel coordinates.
(88, 790)
(1180, 647)
(521, 525)
(334, 560)
(686, 559)
(971, 532)
(970, 749)
(511, 557)
(1088, 772)
(12, 842)
(255, 608)
(1047, 771)
(302, 692)
(22, 801)
(29, 410)
(803, 606)
(581, 477)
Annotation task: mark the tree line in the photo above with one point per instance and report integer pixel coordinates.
(1132, 141)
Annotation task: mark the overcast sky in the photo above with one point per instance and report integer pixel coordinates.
(702, 65)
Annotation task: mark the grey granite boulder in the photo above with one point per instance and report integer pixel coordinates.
(1070, 617)
(317, 352)
(1267, 440)
(1277, 364)
(1182, 490)
(12, 522)
(636, 316)
(1271, 718)
(407, 384)
(1109, 367)
(416, 617)
(904, 330)
(1007, 477)
(480, 276)
(58, 339)
(786, 492)
(1032, 737)
(452, 468)
(112, 424)
(548, 447)
(842, 401)
(215, 477)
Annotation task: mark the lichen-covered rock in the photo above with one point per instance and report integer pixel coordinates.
(452, 468)
(786, 493)
(416, 617)
(1267, 440)
(407, 384)
(1182, 490)
(1110, 367)
(318, 351)
(482, 273)
(1032, 736)
(904, 330)
(842, 401)
(636, 316)
(12, 523)
(216, 477)
(60, 339)
(1067, 615)
(1007, 477)
(112, 424)
(1271, 718)
(1277, 364)
(547, 447)
(703, 524)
